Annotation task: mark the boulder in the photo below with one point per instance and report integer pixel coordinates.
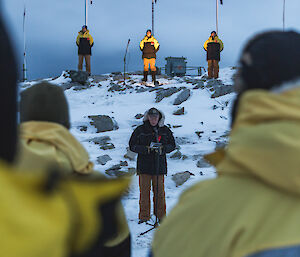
(199, 133)
(182, 97)
(199, 85)
(103, 123)
(177, 155)
(83, 128)
(108, 146)
(180, 111)
(161, 94)
(130, 155)
(103, 159)
(181, 177)
(139, 116)
(116, 87)
(100, 140)
(79, 76)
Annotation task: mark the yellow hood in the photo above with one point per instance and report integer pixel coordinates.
(48, 135)
(265, 140)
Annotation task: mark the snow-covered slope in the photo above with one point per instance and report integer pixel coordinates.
(203, 114)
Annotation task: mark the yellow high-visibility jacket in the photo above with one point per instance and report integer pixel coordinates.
(252, 209)
(85, 43)
(149, 46)
(43, 214)
(44, 144)
(213, 47)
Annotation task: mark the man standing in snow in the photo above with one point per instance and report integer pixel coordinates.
(149, 46)
(152, 140)
(213, 46)
(85, 43)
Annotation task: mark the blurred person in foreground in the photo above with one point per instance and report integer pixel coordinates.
(50, 214)
(252, 208)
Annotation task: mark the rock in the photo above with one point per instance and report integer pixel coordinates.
(199, 133)
(177, 155)
(99, 78)
(202, 163)
(182, 140)
(182, 97)
(78, 76)
(161, 94)
(100, 140)
(180, 111)
(103, 123)
(107, 146)
(139, 116)
(177, 126)
(103, 159)
(184, 157)
(199, 85)
(115, 87)
(83, 128)
(181, 177)
(130, 155)
(115, 171)
(123, 163)
(142, 90)
(66, 86)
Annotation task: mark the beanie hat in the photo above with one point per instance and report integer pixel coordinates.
(44, 102)
(269, 60)
(84, 27)
(149, 30)
(8, 97)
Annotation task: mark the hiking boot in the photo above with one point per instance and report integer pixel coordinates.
(145, 76)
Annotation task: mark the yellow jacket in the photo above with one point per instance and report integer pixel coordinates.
(149, 46)
(44, 216)
(85, 35)
(215, 40)
(254, 205)
(43, 144)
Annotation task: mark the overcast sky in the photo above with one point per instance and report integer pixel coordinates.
(181, 26)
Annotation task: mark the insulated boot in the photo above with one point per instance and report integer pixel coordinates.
(153, 73)
(145, 76)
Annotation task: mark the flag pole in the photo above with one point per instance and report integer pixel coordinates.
(217, 16)
(86, 12)
(283, 17)
(24, 42)
(152, 17)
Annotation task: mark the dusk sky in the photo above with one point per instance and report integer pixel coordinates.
(181, 27)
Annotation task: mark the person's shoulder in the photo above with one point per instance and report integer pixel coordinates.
(165, 127)
(139, 128)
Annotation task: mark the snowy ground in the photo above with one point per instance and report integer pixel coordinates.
(123, 106)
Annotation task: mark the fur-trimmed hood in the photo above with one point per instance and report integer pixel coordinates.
(161, 121)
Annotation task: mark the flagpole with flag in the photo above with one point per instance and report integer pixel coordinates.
(283, 17)
(86, 3)
(24, 42)
(153, 3)
(217, 14)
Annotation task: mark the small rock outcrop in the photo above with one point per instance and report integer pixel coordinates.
(103, 123)
(103, 159)
(182, 97)
(78, 76)
(180, 111)
(161, 94)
